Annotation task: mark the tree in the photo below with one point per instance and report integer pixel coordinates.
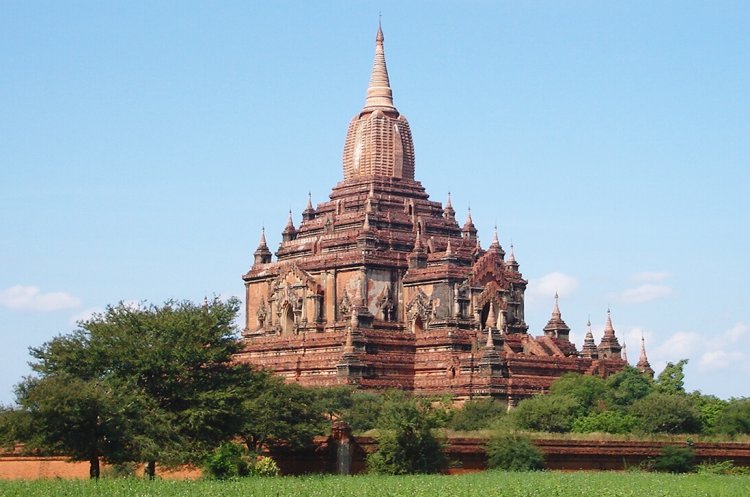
(627, 386)
(153, 382)
(14, 426)
(512, 451)
(663, 413)
(734, 419)
(476, 415)
(406, 443)
(277, 414)
(550, 413)
(671, 381)
(588, 390)
(611, 421)
(365, 410)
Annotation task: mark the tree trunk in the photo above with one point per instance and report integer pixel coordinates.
(151, 470)
(94, 468)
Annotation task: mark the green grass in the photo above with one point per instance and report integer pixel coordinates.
(487, 484)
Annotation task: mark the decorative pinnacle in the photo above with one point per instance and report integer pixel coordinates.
(556, 309)
(608, 328)
(379, 93)
(309, 200)
(262, 242)
(495, 239)
(366, 224)
(448, 202)
(448, 249)
(643, 358)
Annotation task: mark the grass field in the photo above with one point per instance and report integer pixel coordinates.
(487, 484)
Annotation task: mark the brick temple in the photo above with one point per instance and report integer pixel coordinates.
(381, 287)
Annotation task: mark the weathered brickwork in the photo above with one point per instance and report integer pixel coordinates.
(381, 287)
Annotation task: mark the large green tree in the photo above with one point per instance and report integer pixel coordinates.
(144, 383)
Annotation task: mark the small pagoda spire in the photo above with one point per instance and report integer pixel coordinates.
(556, 327)
(379, 93)
(491, 317)
(309, 212)
(449, 212)
(589, 346)
(290, 232)
(608, 328)
(469, 231)
(448, 249)
(624, 351)
(262, 255)
(366, 224)
(556, 309)
(609, 347)
(418, 257)
(495, 245)
(512, 256)
(643, 365)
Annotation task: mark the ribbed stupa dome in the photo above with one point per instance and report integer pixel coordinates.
(378, 141)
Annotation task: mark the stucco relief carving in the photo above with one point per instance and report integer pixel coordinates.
(421, 306)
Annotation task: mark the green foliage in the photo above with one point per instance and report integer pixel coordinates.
(265, 466)
(675, 459)
(550, 413)
(477, 415)
(15, 426)
(605, 422)
(280, 414)
(627, 386)
(406, 443)
(734, 419)
(486, 483)
(671, 381)
(589, 391)
(722, 468)
(709, 409)
(140, 383)
(333, 402)
(511, 451)
(663, 413)
(365, 410)
(229, 460)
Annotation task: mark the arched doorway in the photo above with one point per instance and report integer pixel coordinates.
(287, 320)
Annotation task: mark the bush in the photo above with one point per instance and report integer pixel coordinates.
(265, 466)
(663, 413)
(406, 443)
(675, 459)
(229, 460)
(722, 468)
(549, 413)
(513, 452)
(734, 419)
(476, 415)
(605, 422)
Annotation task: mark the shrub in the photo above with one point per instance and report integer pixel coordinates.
(550, 413)
(406, 443)
(229, 460)
(513, 452)
(663, 413)
(605, 422)
(722, 468)
(265, 466)
(675, 459)
(476, 415)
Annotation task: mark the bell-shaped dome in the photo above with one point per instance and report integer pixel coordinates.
(378, 141)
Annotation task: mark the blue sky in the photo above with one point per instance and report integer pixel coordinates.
(144, 144)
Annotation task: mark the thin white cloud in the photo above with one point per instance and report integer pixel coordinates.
(737, 332)
(549, 284)
(645, 293)
(650, 276)
(30, 298)
(680, 345)
(713, 360)
(84, 315)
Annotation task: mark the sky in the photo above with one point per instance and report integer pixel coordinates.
(143, 145)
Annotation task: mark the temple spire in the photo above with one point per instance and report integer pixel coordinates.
(379, 93)
(643, 365)
(262, 254)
